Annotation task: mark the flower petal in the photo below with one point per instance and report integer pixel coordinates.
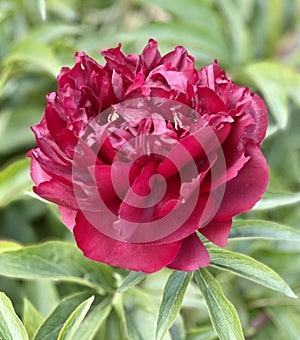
(133, 256)
(191, 256)
(57, 192)
(68, 216)
(242, 192)
(217, 231)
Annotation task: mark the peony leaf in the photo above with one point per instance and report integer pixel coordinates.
(276, 200)
(140, 312)
(203, 333)
(198, 42)
(56, 261)
(9, 245)
(133, 332)
(75, 319)
(14, 180)
(277, 83)
(239, 35)
(198, 14)
(250, 269)
(11, 328)
(259, 229)
(50, 32)
(286, 321)
(173, 295)
(32, 319)
(29, 53)
(131, 280)
(222, 313)
(93, 321)
(51, 327)
(41, 4)
(35, 291)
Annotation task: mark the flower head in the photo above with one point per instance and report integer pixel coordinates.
(145, 152)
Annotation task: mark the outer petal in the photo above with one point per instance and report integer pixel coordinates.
(138, 257)
(58, 193)
(68, 216)
(191, 256)
(217, 231)
(38, 175)
(246, 189)
(258, 111)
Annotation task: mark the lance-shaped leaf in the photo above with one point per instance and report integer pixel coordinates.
(249, 268)
(173, 295)
(52, 326)
(57, 261)
(131, 280)
(257, 229)
(94, 320)
(274, 200)
(11, 328)
(223, 315)
(32, 319)
(75, 319)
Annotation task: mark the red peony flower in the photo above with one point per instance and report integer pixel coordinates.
(144, 153)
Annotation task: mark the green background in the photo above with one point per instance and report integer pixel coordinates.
(257, 42)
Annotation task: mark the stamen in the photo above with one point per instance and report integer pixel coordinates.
(113, 116)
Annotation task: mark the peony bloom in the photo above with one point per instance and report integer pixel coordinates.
(146, 152)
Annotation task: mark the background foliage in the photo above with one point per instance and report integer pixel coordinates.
(55, 291)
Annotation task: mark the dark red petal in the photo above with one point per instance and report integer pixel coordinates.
(102, 175)
(242, 192)
(138, 195)
(203, 211)
(58, 193)
(209, 74)
(259, 112)
(138, 257)
(208, 101)
(68, 216)
(217, 232)
(38, 175)
(149, 56)
(191, 256)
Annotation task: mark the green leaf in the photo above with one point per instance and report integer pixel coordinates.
(11, 328)
(141, 314)
(286, 319)
(9, 245)
(41, 4)
(239, 34)
(173, 295)
(203, 333)
(57, 261)
(50, 32)
(15, 123)
(277, 82)
(277, 200)
(32, 319)
(195, 40)
(94, 320)
(33, 54)
(35, 292)
(51, 327)
(250, 269)
(132, 331)
(223, 315)
(75, 319)
(259, 229)
(131, 280)
(14, 180)
(199, 14)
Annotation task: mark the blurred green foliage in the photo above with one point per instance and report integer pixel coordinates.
(257, 42)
